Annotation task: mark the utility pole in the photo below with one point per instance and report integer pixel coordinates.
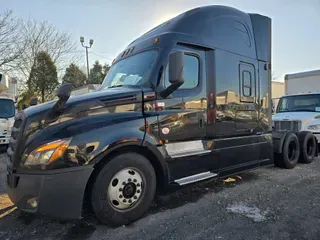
(86, 47)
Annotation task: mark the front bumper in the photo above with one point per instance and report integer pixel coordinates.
(4, 140)
(59, 194)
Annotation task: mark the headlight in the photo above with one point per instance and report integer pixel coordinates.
(47, 153)
(11, 123)
(314, 127)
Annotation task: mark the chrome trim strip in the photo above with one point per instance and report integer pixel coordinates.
(189, 153)
(195, 178)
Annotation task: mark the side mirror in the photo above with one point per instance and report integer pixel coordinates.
(176, 64)
(64, 91)
(33, 102)
(63, 94)
(176, 73)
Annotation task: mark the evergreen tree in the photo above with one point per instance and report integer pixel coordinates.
(97, 73)
(75, 76)
(43, 80)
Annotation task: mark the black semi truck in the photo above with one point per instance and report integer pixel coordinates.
(188, 101)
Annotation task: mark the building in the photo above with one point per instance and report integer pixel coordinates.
(277, 89)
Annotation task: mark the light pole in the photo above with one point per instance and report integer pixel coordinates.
(86, 47)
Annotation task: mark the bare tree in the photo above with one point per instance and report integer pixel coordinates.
(43, 36)
(274, 77)
(11, 43)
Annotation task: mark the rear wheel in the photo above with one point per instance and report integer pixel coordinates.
(124, 189)
(290, 152)
(307, 146)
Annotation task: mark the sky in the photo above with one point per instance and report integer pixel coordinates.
(113, 24)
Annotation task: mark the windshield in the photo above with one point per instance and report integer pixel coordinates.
(307, 103)
(6, 108)
(134, 70)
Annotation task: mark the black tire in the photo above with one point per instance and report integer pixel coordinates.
(101, 205)
(3, 148)
(307, 147)
(290, 152)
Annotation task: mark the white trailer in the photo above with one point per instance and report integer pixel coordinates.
(303, 82)
(8, 97)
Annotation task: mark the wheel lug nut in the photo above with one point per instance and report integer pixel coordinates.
(138, 185)
(130, 201)
(124, 200)
(120, 196)
(135, 197)
(124, 183)
(129, 180)
(120, 189)
(134, 180)
(138, 191)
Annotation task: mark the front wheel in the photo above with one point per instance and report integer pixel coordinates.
(123, 189)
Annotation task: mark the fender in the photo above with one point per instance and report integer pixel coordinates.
(160, 154)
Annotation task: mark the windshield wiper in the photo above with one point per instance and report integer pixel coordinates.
(114, 86)
(301, 110)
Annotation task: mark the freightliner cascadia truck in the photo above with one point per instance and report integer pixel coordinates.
(188, 101)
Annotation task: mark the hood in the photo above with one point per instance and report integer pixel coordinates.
(292, 116)
(114, 95)
(75, 115)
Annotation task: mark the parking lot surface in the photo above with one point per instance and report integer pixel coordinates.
(268, 203)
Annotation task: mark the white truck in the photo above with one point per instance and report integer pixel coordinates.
(299, 109)
(8, 97)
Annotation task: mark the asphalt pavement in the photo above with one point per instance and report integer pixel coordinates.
(268, 203)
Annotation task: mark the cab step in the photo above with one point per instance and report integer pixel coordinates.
(195, 178)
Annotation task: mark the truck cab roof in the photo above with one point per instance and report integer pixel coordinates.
(251, 33)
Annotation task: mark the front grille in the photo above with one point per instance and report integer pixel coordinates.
(15, 139)
(294, 126)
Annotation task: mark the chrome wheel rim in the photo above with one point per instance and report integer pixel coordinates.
(125, 189)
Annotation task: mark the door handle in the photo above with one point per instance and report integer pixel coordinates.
(201, 121)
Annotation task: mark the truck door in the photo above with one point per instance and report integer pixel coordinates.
(182, 117)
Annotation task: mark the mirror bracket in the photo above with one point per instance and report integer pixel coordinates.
(33, 101)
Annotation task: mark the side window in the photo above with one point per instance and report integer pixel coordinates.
(191, 73)
(247, 83)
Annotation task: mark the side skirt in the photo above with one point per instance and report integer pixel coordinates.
(224, 172)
